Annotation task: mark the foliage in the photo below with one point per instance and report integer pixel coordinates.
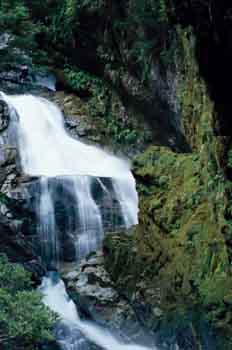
(99, 102)
(3, 198)
(23, 317)
(13, 16)
(15, 21)
(63, 21)
(148, 12)
(13, 278)
(229, 159)
(121, 133)
(80, 80)
(179, 246)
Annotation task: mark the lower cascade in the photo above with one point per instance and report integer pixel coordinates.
(76, 334)
(79, 193)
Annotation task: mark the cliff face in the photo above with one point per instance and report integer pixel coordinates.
(180, 254)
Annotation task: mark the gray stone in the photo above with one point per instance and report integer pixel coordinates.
(4, 115)
(95, 294)
(4, 40)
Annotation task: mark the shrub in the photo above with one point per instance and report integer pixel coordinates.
(23, 316)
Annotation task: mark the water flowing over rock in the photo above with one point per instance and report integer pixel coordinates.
(77, 193)
(97, 298)
(47, 151)
(73, 213)
(77, 334)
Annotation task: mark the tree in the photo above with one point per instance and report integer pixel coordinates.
(24, 319)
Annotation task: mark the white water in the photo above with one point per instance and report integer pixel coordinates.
(48, 151)
(90, 217)
(55, 296)
(47, 226)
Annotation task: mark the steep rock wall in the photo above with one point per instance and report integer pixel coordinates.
(180, 254)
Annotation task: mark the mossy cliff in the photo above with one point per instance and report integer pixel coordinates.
(178, 258)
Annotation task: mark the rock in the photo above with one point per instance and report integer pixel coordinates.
(92, 289)
(14, 217)
(77, 125)
(4, 116)
(8, 155)
(16, 76)
(17, 73)
(45, 79)
(4, 40)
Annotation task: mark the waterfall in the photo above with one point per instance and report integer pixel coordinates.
(69, 173)
(47, 151)
(91, 231)
(46, 227)
(55, 296)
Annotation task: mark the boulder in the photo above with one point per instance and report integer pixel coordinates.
(97, 298)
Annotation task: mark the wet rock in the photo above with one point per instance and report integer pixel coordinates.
(4, 40)
(77, 126)
(4, 115)
(14, 218)
(68, 222)
(45, 79)
(92, 289)
(9, 157)
(17, 75)
(77, 119)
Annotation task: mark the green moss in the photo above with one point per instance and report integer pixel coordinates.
(179, 246)
(196, 108)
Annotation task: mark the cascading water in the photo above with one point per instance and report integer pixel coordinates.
(68, 170)
(47, 226)
(56, 298)
(48, 151)
(90, 218)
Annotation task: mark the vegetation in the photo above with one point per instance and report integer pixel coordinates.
(15, 21)
(24, 320)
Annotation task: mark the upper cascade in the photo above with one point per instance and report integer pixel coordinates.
(76, 170)
(47, 149)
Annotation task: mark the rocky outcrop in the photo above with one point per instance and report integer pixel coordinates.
(7, 150)
(4, 116)
(17, 234)
(8, 146)
(95, 294)
(16, 239)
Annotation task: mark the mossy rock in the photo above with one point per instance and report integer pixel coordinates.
(178, 251)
